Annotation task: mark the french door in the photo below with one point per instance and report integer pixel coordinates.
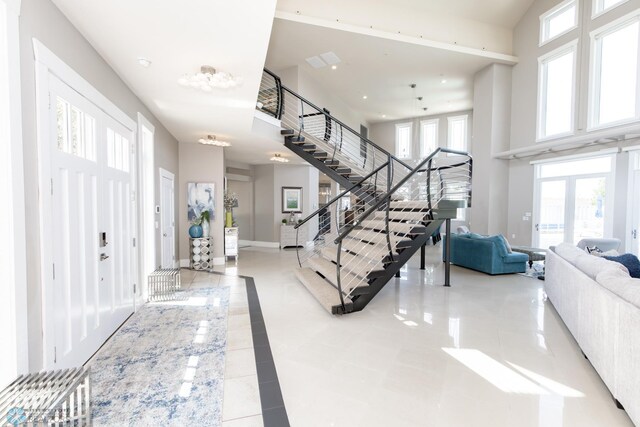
(633, 244)
(167, 220)
(91, 227)
(570, 203)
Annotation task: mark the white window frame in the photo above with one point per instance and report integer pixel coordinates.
(572, 46)
(423, 123)
(595, 12)
(13, 260)
(594, 66)
(450, 121)
(548, 15)
(398, 127)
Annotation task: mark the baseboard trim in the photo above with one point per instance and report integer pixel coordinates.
(257, 244)
(218, 260)
(184, 263)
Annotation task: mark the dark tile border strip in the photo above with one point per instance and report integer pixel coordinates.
(274, 414)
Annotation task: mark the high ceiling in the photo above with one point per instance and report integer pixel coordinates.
(380, 69)
(234, 36)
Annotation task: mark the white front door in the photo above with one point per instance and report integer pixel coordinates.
(91, 228)
(167, 220)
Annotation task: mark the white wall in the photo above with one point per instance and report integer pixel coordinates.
(524, 109)
(42, 20)
(201, 163)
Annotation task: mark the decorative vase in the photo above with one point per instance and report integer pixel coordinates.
(205, 228)
(195, 231)
(229, 219)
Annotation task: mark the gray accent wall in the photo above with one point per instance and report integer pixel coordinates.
(42, 20)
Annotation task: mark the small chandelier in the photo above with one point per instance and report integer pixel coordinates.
(209, 78)
(279, 158)
(211, 140)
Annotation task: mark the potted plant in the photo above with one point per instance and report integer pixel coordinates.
(230, 202)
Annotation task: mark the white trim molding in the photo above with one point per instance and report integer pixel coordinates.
(13, 252)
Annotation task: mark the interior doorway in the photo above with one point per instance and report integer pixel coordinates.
(167, 219)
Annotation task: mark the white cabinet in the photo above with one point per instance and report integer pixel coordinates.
(231, 242)
(288, 236)
(201, 253)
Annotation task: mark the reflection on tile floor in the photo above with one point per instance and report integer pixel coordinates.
(489, 351)
(165, 366)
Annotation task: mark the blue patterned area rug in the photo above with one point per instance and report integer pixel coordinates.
(165, 366)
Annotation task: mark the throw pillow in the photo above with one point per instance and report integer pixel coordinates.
(476, 236)
(630, 261)
(506, 243)
(612, 252)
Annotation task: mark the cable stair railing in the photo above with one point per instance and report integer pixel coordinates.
(349, 263)
(326, 142)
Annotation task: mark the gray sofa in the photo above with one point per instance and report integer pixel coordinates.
(600, 304)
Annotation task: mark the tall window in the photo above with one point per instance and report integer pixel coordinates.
(457, 138)
(428, 137)
(559, 20)
(602, 6)
(556, 92)
(403, 140)
(614, 91)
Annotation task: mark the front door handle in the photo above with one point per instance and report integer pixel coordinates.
(103, 257)
(537, 227)
(164, 234)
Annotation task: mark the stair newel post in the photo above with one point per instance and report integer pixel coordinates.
(429, 164)
(298, 247)
(338, 269)
(388, 196)
(447, 253)
(280, 98)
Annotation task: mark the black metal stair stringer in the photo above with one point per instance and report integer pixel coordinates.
(362, 192)
(391, 269)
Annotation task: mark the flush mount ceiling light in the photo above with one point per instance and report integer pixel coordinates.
(209, 78)
(278, 158)
(144, 62)
(211, 140)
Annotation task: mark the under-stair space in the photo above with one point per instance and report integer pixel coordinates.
(401, 206)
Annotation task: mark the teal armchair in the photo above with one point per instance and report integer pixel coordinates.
(488, 254)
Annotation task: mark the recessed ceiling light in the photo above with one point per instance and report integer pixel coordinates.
(212, 140)
(364, 96)
(443, 81)
(278, 158)
(334, 67)
(330, 58)
(144, 62)
(384, 115)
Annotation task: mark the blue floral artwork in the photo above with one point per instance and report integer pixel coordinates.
(200, 198)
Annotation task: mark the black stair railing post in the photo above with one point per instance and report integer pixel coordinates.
(388, 196)
(422, 256)
(447, 254)
(280, 98)
(301, 118)
(298, 247)
(338, 269)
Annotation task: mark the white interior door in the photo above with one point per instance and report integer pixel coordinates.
(167, 220)
(91, 226)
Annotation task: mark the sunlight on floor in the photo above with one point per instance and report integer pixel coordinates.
(507, 379)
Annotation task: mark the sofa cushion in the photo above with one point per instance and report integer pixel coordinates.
(569, 252)
(620, 283)
(593, 265)
(475, 236)
(628, 260)
(506, 243)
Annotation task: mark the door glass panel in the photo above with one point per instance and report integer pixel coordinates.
(590, 208)
(552, 206)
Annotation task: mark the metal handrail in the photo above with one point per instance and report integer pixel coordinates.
(387, 196)
(329, 116)
(339, 196)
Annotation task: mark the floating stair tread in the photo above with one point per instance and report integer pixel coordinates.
(348, 281)
(395, 227)
(410, 204)
(373, 252)
(352, 262)
(321, 290)
(372, 236)
(402, 215)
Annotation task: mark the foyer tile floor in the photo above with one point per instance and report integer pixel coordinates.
(489, 351)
